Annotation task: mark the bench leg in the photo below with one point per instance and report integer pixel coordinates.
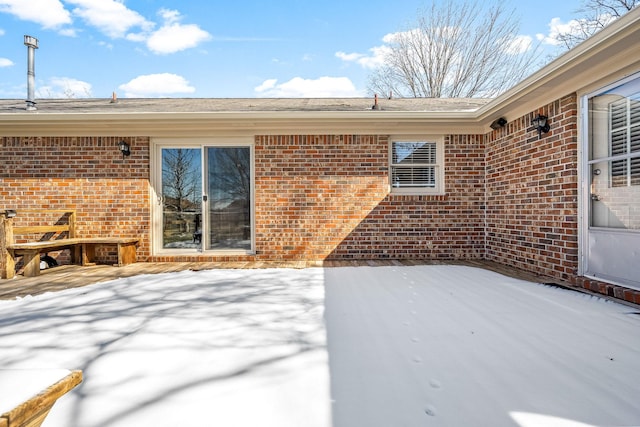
(31, 263)
(9, 265)
(77, 254)
(88, 254)
(126, 253)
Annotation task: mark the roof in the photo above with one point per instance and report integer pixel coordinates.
(206, 105)
(611, 54)
(206, 117)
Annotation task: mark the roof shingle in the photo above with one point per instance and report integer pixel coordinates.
(197, 105)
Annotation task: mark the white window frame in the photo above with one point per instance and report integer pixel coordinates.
(157, 144)
(439, 187)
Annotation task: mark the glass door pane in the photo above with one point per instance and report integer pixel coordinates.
(229, 193)
(614, 130)
(181, 198)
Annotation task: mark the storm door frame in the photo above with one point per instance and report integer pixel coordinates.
(607, 253)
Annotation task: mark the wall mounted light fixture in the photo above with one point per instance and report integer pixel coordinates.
(124, 148)
(541, 124)
(10, 213)
(498, 123)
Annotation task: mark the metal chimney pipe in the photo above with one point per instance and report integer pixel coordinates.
(32, 45)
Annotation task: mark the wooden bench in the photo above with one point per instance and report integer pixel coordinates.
(27, 395)
(82, 249)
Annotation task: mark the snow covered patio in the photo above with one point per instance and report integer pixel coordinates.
(429, 345)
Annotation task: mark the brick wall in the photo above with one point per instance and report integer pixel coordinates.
(327, 197)
(87, 174)
(312, 191)
(510, 197)
(450, 226)
(532, 193)
(323, 197)
(317, 197)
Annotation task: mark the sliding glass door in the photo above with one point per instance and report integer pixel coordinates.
(181, 198)
(204, 198)
(228, 187)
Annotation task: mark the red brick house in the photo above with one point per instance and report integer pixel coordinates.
(319, 179)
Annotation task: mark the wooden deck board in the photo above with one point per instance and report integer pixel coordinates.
(73, 276)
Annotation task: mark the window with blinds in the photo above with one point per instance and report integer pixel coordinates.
(414, 166)
(624, 125)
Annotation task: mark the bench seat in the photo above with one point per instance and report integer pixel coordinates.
(82, 250)
(27, 395)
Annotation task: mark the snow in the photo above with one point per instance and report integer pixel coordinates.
(432, 345)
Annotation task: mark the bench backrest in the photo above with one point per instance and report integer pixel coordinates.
(41, 224)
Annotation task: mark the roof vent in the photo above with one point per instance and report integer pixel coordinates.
(32, 45)
(376, 106)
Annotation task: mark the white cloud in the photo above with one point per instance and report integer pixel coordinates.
(574, 26)
(373, 59)
(106, 45)
(1, 32)
(48, 13)
(557, 27)
(156, 85)
(170, 16)
(323, 87)
(519, 44)
(64, 87)
(392, 37)
(137, 37)
(266, 85)
(4, 62)
(173, 37)
(349, 57)
(111, 17)
(68, 32)
(376, 55)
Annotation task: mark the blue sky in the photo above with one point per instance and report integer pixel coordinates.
(213, 48)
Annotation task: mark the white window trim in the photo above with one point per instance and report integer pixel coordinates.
(157, 144)
(439, 188)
